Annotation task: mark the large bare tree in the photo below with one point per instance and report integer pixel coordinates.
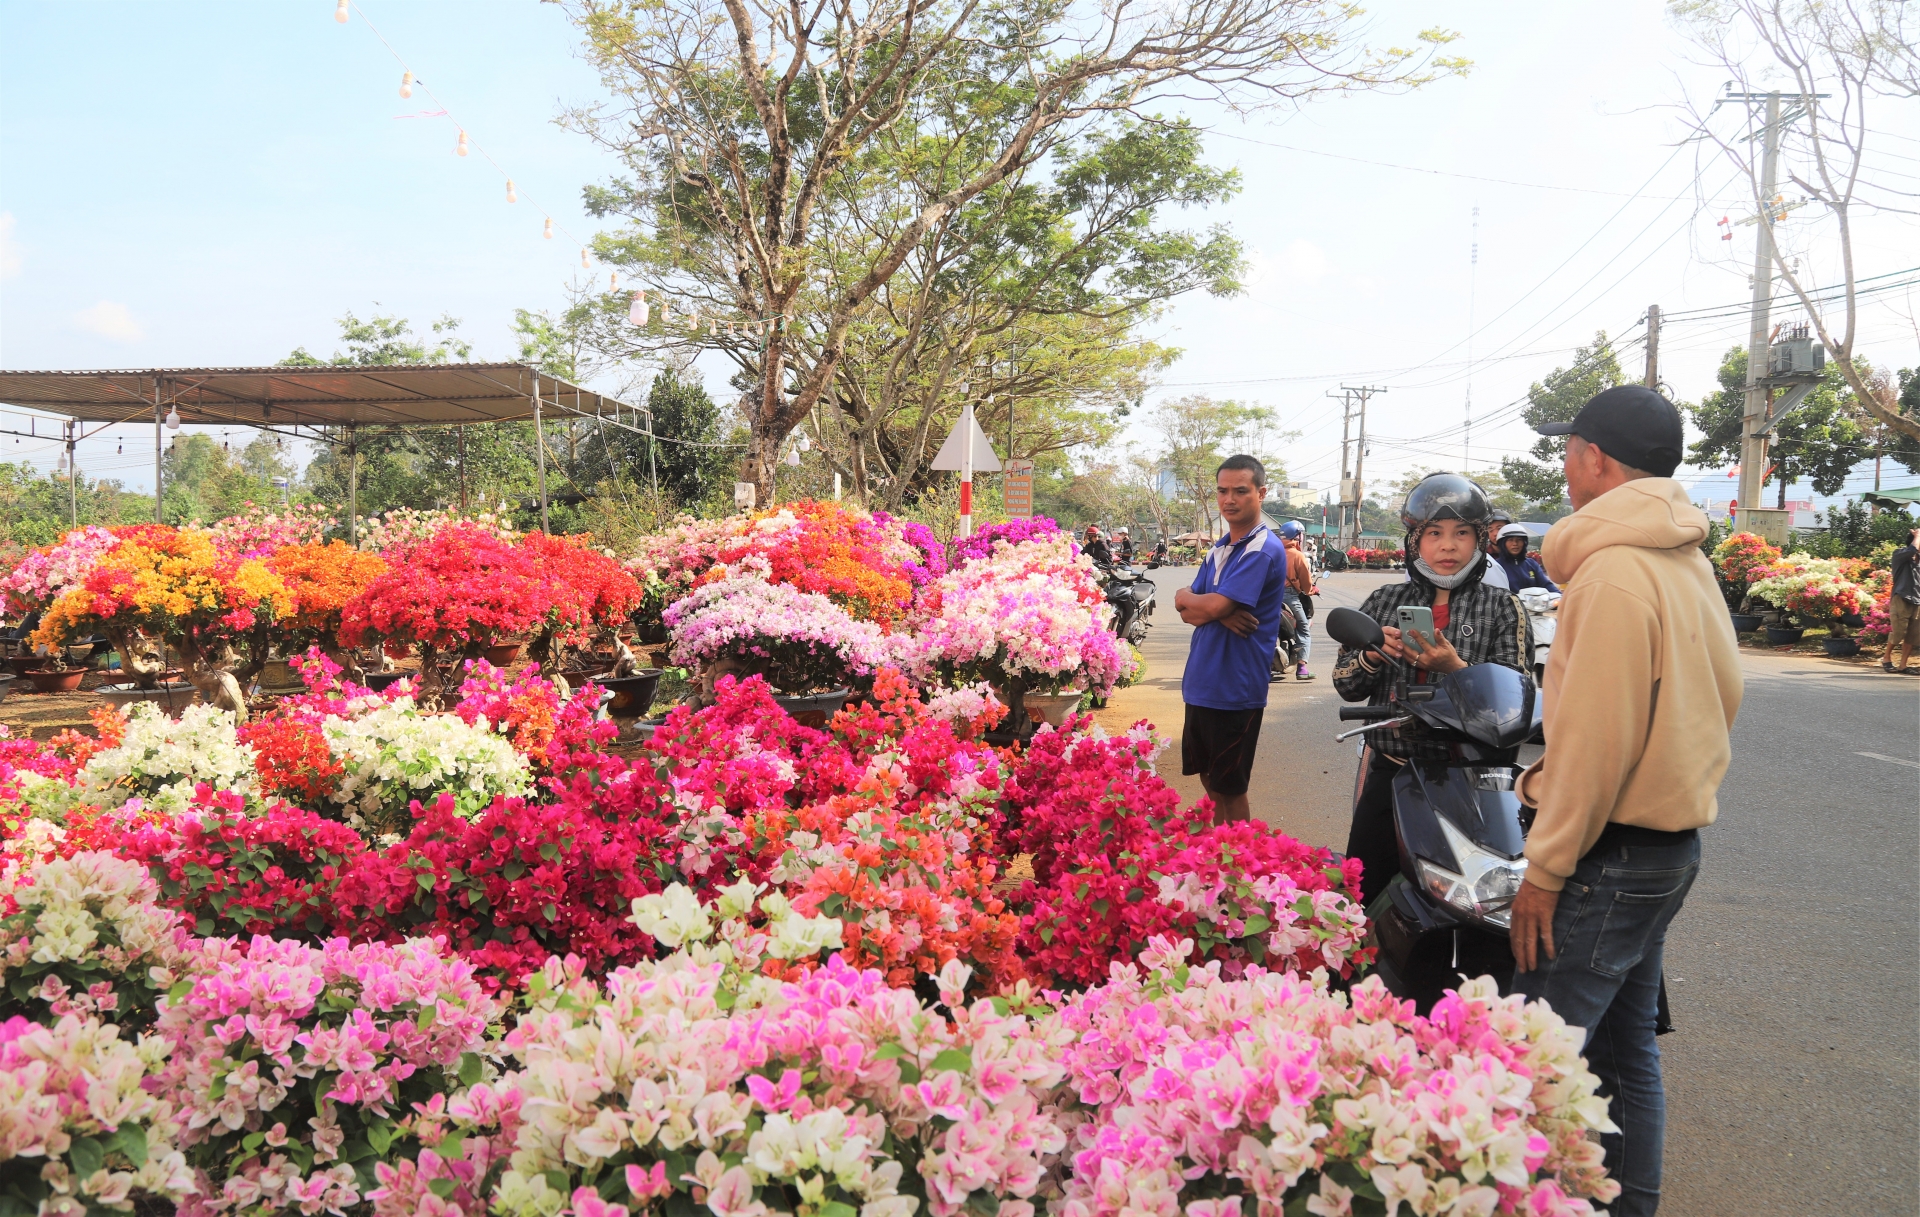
(741, 119)
(1844, 57)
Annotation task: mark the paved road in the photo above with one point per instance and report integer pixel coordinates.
(1794, 970)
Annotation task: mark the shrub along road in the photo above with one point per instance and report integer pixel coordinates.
(1793, 1079)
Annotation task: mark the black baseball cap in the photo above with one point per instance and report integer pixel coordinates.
(1633, 425)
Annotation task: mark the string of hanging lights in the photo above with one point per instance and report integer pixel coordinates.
(640, 312)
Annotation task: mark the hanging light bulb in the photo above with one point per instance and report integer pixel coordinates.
(406, 84)
(60, 465)
(460, 149)
(805, 444)
(793, 455)
(173, 418)
(511, 196)
(613, 280)
(583, 259)
(637, 312)
(548, 231)
(340, 12)
(119, 446)
(663, 310)
(694, 318)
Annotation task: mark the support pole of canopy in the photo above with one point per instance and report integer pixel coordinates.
(540, 452)
(159, 476)
(73, 477)
(353, 487)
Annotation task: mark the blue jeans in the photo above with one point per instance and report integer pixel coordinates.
(1609, 932)
(1303, 625)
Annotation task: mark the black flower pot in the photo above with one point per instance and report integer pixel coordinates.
(1852, 620)
(1782, 636)
(380, 682)
(632, 695)
(1840, 648)
(1745, 623)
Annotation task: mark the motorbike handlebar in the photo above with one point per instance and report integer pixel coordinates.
(1351, 713)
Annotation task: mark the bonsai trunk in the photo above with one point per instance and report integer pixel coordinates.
(141, 658)
(208, 673)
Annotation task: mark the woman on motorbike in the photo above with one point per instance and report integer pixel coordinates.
(1446, 517)
(1523, 569)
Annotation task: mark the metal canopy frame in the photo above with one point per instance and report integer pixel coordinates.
(307, 402)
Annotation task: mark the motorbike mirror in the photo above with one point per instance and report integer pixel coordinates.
(1354, 628)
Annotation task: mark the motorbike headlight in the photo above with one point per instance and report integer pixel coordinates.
(1485, 885)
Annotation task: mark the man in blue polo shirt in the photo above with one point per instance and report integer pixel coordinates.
(1234, 607)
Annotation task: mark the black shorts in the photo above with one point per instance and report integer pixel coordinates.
(1218, 745)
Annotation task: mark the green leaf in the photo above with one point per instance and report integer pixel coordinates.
(831, 906)
(550, 852)
(513, 870)
(835, 1208)
(957, 1059)
(425, 882)
(1258, 925)
(441, 1187)
(131, 1140)
(453, 1145)
(558, 1181)
(470, 1068)
(87, 1156)
(425, 1018)
(888, 1051)
(552, 913)
(909, 1072)
(1046, 934)
(380, 1136)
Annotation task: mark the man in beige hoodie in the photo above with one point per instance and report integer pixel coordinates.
(1641, 690)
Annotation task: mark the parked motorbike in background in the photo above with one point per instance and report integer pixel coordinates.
(1543, 614)
(1131, 594)
(1462, 830)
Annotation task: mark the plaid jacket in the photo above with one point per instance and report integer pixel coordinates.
(1484, 624)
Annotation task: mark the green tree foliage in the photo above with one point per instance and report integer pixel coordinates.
(1820, 441)
(749, 133)
(1595, 369)
(206, 481)
(1855, 530)
(34, 506)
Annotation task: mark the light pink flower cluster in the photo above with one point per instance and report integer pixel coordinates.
(776, 623)
(44, 573)
(1206, 1090)
(829, 1087)
(1031, 612)
(259, 531)
(285, 1053)
(73, 1102)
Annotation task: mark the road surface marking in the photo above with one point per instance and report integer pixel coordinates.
(1893, 760)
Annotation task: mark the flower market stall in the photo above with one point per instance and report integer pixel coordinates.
(362, 956)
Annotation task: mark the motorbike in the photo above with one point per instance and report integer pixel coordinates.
(1541, 606)
(1461, 828)
(1131, 594)
(1286, 646)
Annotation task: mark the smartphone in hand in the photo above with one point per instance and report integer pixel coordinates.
(1416, 619)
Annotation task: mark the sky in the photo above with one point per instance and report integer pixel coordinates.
(216, 184)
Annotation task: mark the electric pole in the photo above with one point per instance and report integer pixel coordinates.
(1653, 347)
(1351, 489)
(1759, 394)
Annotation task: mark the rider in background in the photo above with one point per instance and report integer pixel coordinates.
(1123, 544)
(1300, 589)
(1523, 570)
(1095, 546)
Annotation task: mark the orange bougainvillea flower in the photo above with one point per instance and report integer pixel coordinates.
(165, 580)
(321, 579)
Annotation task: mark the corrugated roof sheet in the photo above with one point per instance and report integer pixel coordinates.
(406, 395)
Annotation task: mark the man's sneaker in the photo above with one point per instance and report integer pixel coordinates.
(1301, 673)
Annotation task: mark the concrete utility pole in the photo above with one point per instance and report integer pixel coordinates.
(1653, 347)
(1753, 443)
(1759, 415)
(1353, 490)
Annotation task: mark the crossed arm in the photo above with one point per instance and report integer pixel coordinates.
(1200, 608)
